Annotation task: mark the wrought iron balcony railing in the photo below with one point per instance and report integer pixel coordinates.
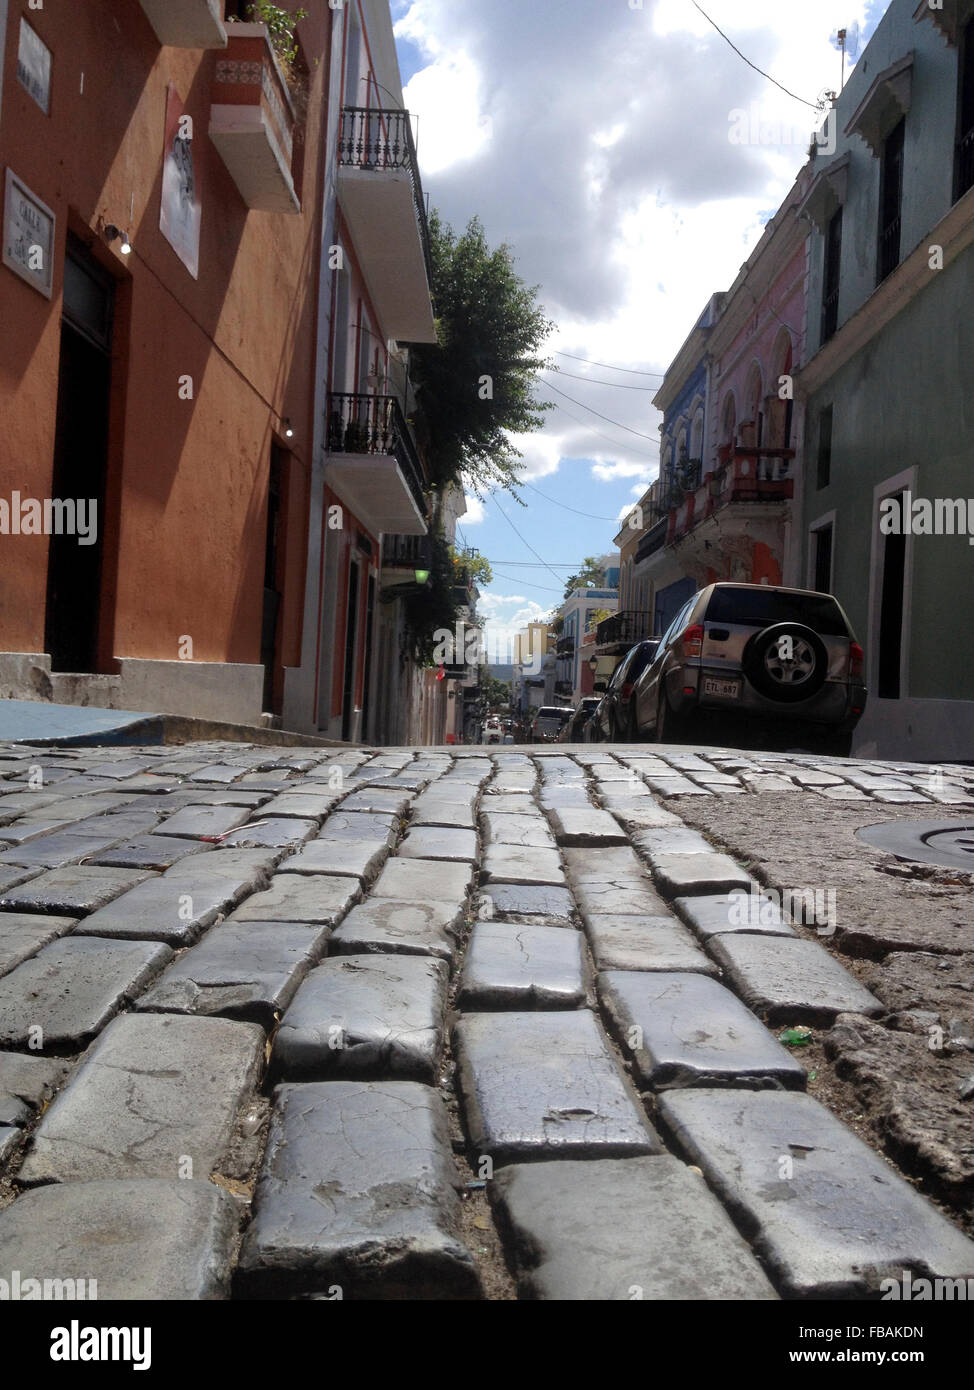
(407, 552)
(629, 626)
(373, 138)
(363, 424)
(565, 646)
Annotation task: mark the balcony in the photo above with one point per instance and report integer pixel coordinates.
(623, 629)
(653, 541)
(381, 198)
(745, 475)
(565, 646)
(373, 464)
(187, 23)
(402, 556)
(252, 121)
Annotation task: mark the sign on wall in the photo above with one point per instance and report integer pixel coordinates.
(28, 235)
(34, 66)
(180, 212)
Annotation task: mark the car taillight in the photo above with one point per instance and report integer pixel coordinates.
(855, 661)
(626, 690)
(692, 640)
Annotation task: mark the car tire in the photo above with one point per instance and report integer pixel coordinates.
(670, 727)
(836, 746)
(786, 680)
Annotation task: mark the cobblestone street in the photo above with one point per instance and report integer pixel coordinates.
(421, 1023)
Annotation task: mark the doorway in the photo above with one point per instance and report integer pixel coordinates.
(73, 608)
(891, 606)
(270, 626)
(351, 635)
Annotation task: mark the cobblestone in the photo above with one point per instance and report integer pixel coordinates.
(341, 897)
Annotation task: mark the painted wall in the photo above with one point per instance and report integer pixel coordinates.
(187, 502)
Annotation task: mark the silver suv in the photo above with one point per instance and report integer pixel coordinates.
(780, 655)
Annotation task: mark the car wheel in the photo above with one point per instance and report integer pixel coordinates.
(670, 727)
(786, 662)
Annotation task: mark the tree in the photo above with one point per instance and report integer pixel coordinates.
(590, 576)
(496, 693)
(475, 384)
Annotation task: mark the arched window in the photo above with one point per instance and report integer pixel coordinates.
(728, 420)
(754, 402)
(696, 435)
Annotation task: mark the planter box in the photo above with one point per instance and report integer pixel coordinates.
(187, 23)
(252, 121)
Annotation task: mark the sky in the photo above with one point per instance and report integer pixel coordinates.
(594, 138)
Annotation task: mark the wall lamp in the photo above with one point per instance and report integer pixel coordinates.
(113, 233)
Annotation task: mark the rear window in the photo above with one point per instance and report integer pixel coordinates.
(762, 607)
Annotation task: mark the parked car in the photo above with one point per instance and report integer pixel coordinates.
(779, 656)
(591, 730)
(616, 715)
(583, 711)
(492, 733)
(548, 723)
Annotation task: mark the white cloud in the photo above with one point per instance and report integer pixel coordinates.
(476, 511)
(595, 140)
(500, 628)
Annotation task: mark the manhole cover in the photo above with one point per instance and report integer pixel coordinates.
(947, 843)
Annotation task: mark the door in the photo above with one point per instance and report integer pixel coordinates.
(270, 627)
(80, 460)
(351, 642)
(891, 612)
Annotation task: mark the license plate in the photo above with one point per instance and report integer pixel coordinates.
(726, 690)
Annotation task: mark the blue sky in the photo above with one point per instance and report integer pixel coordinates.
(592, 138)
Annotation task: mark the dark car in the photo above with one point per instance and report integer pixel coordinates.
(616, 713)
(573, 731)
(549, 722)
(779, 658)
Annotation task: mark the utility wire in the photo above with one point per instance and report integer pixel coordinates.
(527, 543)
(594, 381)
(555, 501)
(630, 371)
(548, 387)
(814, 105)
(515, 579)
(601, 434)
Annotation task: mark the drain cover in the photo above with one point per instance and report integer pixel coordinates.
(947, 843)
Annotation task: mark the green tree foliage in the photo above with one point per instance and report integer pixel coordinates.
(590, 576)
(475, 385)
(496, 693)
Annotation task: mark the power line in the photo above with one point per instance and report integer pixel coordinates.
(586, 426)
(630, 371)
(533, 564)
(565, 505)
(814, 105)
(515, 579)
(524, 542)
(606, 418)
(594, 381)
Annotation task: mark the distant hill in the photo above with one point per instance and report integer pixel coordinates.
(501, 673)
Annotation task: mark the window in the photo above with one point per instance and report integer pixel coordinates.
(830, 284)
(965, 135)
(824, 469)
(890, 203)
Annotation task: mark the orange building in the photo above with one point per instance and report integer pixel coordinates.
(214, 247)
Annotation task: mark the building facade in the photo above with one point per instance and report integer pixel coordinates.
(888, 381)
(215, 257)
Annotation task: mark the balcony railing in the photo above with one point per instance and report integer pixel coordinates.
(746, 475)
(252, 120)
(654, 539)
(565, 646)
(407, 552)
(965, 163)
(363, 424)
(372, 138)
(629, 626)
